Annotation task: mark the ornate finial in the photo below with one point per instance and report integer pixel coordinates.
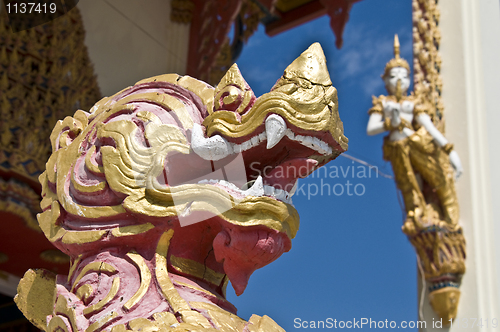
(396, 47)
(233, 93)
(233, 76)
(310, 65)
(397, 61)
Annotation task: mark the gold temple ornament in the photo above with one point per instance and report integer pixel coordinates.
(122, 175)
(424, 162)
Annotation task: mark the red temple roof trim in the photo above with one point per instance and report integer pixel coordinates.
(212, 21)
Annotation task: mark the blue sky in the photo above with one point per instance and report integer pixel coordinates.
(350, 259)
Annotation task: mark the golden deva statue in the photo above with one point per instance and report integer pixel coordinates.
(425, 166)
(417, 150)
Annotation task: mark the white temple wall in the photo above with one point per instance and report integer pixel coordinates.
(129, 40)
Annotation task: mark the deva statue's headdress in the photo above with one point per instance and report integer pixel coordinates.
(397, 61)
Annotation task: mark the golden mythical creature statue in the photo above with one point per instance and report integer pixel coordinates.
(164, 192)
(425, 166)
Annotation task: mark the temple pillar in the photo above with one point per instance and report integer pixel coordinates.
(470, 50)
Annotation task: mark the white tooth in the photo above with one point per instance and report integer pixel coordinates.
(269, 191)
(229, 185)
(262, 136)
(324, 147)
(211, 148)
(245, 146)
(237, 148)
(255, 140)
(299, 138)
(308, 141)
(291, 192)
(257, 189)
(280, 194)
(290, 134)
(275, 130)
(316, 142)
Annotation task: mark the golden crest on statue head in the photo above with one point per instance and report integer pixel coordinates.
(397, 61)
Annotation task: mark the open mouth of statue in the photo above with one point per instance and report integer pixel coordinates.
(274, 157)
(254, 188)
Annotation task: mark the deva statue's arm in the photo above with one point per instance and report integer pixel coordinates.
(425, 121)
(375, 124)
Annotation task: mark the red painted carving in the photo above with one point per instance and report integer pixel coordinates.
(269, 5)
(210, 27)
(338, 10)
(212, 21)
